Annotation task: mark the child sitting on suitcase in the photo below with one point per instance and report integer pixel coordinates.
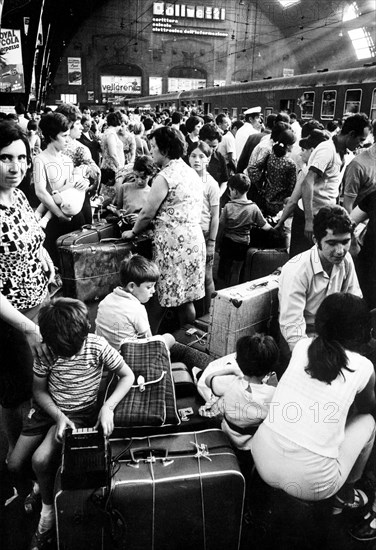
(245, 387)
(65, 396)
(237, 218)
(122, 315)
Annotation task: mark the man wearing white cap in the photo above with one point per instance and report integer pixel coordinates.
(252, 125)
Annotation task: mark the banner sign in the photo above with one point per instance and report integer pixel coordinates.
(128, 85)
(11, 67)
(74, 71)
(182, 84)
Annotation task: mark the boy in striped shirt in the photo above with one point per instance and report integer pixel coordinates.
(65, 396)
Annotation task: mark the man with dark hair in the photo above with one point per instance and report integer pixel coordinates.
(253, 140)
(320, 186)
(217, 167)
(359, 179)
(227, 144)
(309, 277)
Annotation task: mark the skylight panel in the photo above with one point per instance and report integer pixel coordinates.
(288, 3)
(351, 12)
(363, 43)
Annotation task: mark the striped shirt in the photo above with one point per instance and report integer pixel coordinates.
(73, 382)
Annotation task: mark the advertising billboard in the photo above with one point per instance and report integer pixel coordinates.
(11, 66)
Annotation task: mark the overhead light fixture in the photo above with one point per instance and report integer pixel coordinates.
(288, 3)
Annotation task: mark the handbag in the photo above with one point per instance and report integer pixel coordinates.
(151, 400)
(108, 176)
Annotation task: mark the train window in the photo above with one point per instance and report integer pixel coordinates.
(328, 104)
(353, 100)
(244, 109)
(287, 105)
(372, 114)
(268, 111)
(216, 111)
(225, 110)
(235, 112)
(306, 103)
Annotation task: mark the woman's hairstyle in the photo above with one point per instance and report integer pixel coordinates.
(311, 125)
(176, 117)
(285, 139)
(277, 129)
(170, 142)
(52, 124)
(32, 125)
(257, 355)
(144, 164)
(69, 110)
(148, 123)
(114, 119)
(343, 322)
(239, 182)
(314, 139)
(204, 147)
(192, 122)
(10, 132)
(64, 325)
(137, 269)
(335, 218)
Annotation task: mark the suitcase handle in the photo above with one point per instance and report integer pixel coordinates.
(148, 455)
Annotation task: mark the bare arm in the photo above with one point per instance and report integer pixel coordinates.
(291, 203)
(158, 193)
(348, 203)
(16, 319)
(365, 401)
(41, 184)
(358, 215)
(106, 414)
(307, 193)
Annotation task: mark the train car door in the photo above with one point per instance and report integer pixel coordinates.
(287, 105)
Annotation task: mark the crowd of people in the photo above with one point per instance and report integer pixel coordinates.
(204, 186)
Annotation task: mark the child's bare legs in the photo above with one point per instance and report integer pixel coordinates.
(209, 284)
(12, 422)
(169, 340)
(18, 461)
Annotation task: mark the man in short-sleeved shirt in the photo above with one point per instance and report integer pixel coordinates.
(314, 274)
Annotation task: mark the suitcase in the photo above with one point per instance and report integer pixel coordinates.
(80, 517)
(91, 233)
(91, 271)
(262, 262)
(242, 309)
(177, 491)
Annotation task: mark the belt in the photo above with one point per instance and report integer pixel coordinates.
(249, 430)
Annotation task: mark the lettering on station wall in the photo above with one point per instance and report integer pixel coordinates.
(171, 18)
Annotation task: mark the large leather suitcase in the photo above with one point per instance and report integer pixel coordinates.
(91, 271)
(240, 310)
(262, 262)
(80, 518)
(179, 491)
(90, 233)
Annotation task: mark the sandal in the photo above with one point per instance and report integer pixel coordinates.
(360, 500)
(42, 541)
(366, 529)
(31, 502)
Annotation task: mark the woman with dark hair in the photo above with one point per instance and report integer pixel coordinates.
(280, 177)
(25, 272)
(175, 204)
(113, 158)
(193, 125)
(310, 445)
(53, 171)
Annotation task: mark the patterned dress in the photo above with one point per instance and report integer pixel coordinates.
(22, 278)
(179, 246)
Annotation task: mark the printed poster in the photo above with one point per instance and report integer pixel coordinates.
(11, 66)
(74, 71)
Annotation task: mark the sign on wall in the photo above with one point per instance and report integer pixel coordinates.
(11, 67)
(155, 85)
(181, 84)
(74, 71)
(170, 17)
(121, 85)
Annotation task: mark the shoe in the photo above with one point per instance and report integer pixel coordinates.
(31, 502)
(360, 500)
(42, 541)
(366, 529)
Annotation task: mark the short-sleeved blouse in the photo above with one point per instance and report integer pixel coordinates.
(22, 278)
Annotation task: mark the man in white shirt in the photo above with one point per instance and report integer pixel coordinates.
(314, 274)
(227, 144)
(252, 125)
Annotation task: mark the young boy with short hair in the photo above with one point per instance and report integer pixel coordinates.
(237, 218)
(121, 314)
(65, 396)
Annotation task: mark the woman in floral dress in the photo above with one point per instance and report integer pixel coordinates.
(175, 205)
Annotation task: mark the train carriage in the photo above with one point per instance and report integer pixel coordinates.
(322, 95)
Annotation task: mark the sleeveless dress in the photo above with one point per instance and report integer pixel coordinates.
(179, 246)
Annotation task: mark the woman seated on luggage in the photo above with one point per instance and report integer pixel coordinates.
(132, 195)
(311, 445)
